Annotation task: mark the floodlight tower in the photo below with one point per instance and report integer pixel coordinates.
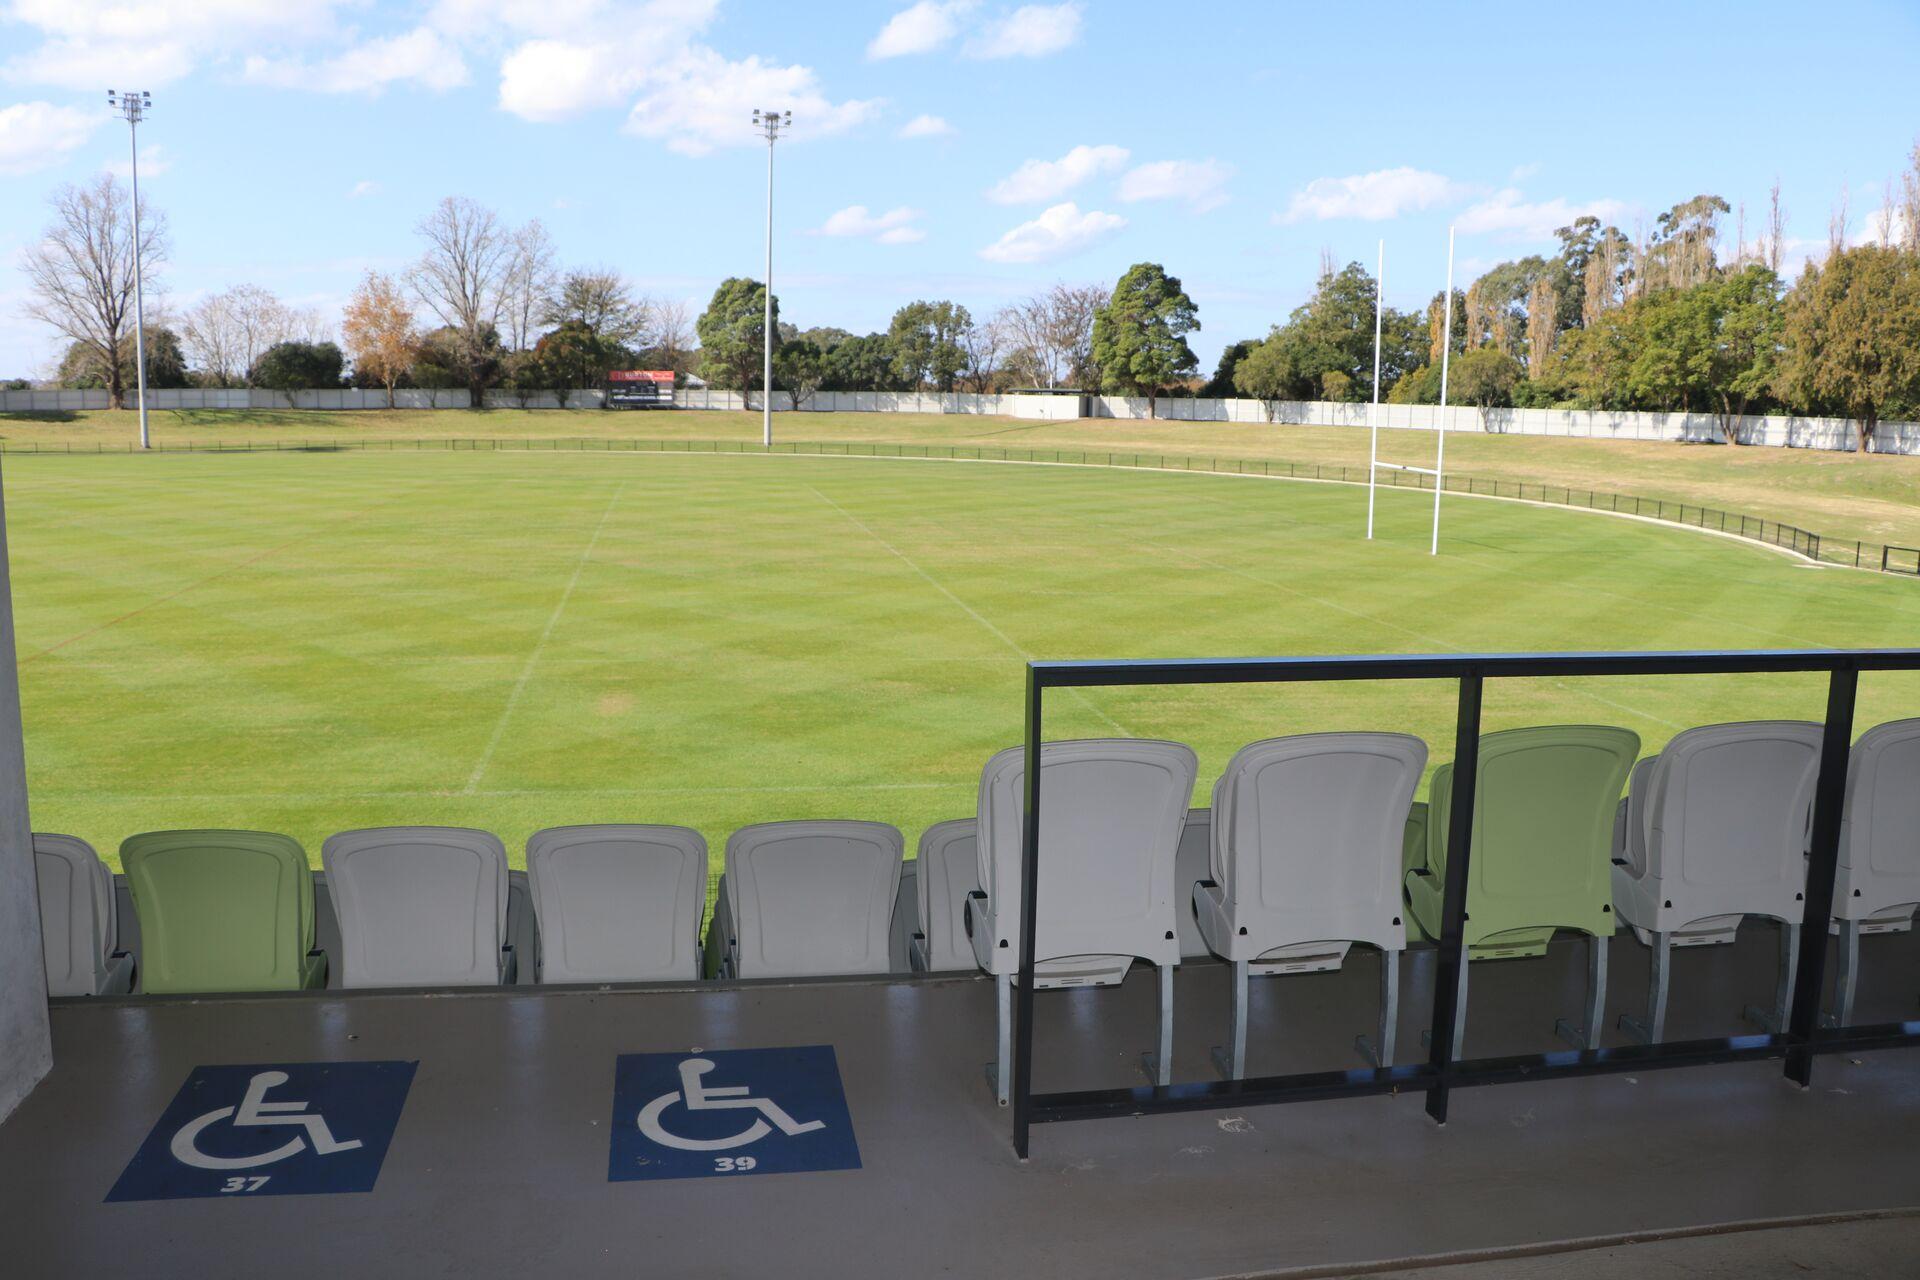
(771, 123)
(134, 105)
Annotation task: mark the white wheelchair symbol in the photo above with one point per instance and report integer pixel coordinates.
(255, 1112)
(700, 1097)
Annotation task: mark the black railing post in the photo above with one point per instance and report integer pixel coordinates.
(1452, 954)
(1823, 861)
(1029, 885)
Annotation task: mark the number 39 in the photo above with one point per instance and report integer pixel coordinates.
(733, 1164)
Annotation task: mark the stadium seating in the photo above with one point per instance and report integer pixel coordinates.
(222, 911)
(1715, 831)
(1111, 815)
(1542, 832)
(1878, 885)
(807, 899)
(618, 903)
(79, 919)
(948, 870)
(420, 906)
(1306, 860)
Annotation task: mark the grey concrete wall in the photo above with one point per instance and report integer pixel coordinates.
(26, 1046)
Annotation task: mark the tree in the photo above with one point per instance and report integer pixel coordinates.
(298, 366)
(83, 369)
(225, 333)
(574, 357)
(983, 345)
(81, 274)
(670, 337)
(600, 302)
(1853, 335)
(732, 330)
(1680, 253)
(379, 332)
(798, 367)
(1485, 376)
(459, 277)
(526, 284)
(1748, 323)
(859, 364)
(1140, 335)
(926, 342)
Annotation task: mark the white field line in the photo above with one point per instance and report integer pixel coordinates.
(533, 658)
(968, 609)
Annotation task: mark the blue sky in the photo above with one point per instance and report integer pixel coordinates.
(976, 151)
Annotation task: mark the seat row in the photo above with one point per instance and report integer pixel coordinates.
(1314, 843)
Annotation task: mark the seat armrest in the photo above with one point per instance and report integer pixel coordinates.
(917, 956)
(966, 911)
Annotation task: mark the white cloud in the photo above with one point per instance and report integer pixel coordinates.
(1373, 197)
(153, 162)
(421, 56)
(920, 29)
(1885, 225)
(895, 226)
(364, 188)
(92, 43)
(1044, 179)
(548, 80)
(1059, 231)
(1507, 213)
(703, 100)
(926, 127)
(38, 135)
(1031, 31)
(1200, 183)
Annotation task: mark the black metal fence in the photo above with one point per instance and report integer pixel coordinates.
(1801, 1040)
(1852, 553)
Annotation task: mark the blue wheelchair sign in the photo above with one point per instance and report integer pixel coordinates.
(726, 1112)
(278, 1129)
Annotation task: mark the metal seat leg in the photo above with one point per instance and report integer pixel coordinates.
(1587, 1035)
(1847, 980)
(1230, 1060)
(1654, 1027)
(999, 1075)
(1774, 1020)
(1379, 1052)
(1159, 1064)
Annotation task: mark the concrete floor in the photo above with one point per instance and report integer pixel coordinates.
(499, 1162)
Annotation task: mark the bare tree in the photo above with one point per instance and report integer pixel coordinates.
(528, 284)
(1837, 222)
(459, 277)
(1073, 308)
(984, 344)
(378, 327)
(670, 332)
(1543, 310)
(1910, 202)
(226, 333)
(1776, 229)
(81, 272)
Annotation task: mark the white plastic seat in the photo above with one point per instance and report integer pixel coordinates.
(1111, 814)
(948, 871)
(79, 919)
(810, 899)
(1192, 864)
(420, 906)
(1305, 860)
(1716, 831)
(618, 903)
(1878, 883)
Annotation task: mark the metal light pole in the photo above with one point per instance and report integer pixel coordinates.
(134, 105)
(771, 123)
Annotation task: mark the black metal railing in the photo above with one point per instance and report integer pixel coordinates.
(1801, 1039)
(1841, 551)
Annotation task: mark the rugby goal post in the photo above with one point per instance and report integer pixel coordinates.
(1439, 468)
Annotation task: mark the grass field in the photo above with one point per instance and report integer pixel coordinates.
(1839, 495)
(312, 642)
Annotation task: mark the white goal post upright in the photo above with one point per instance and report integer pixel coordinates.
(1439, 468)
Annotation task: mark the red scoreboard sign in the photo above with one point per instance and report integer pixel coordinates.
(640, 389)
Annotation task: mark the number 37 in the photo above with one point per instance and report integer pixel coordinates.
(232, 1185)
(733, 1164)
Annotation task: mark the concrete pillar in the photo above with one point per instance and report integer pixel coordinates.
(26, 1044)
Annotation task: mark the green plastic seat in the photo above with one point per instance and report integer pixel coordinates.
(1542, 838)
(222, 911)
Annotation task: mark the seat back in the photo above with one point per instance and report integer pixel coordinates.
(618, 903)
(418, 906)
(1307, 836)
(220, 910)
(812, 898)
(1880, 833)
(948, 871)
(1543, 822)
(1111, 813)
(77, 910)
(1725, 820)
